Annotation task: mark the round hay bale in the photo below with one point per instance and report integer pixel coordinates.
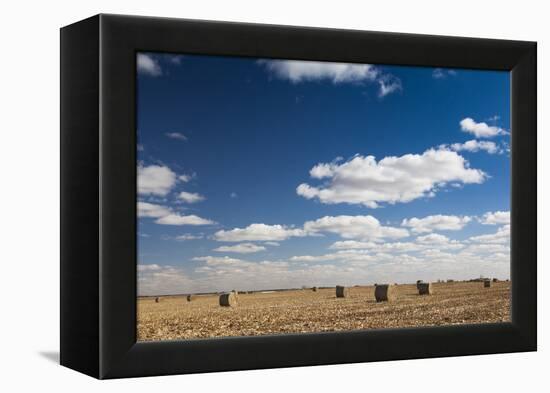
(228, 299)
(487, 284)
(341, 291)
(424, 288)
(314, 289)
(157, 299)
(495, 279)
(384, 293)
(190, 298)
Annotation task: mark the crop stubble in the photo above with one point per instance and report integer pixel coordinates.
(305, 311)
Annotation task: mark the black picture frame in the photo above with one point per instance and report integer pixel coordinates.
(98, 196)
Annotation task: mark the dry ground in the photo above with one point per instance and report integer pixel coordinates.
(302, 311)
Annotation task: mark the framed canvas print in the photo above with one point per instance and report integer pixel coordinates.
(239, 196)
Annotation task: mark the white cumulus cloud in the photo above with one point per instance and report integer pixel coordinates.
(480, 130)
(176, 219)
(155, 179)
(258, 232)
(146, 209)
(502, 235)
(297, 71)
(496, 218)
(190, 197)
(475, 146)
(354, 227)
(241, 248)
(436, 222)
(363, 180)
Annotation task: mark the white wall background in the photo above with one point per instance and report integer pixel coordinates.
(29, 192)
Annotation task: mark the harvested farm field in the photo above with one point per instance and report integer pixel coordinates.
(306, 311)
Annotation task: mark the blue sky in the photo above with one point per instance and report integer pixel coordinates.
(256, 174)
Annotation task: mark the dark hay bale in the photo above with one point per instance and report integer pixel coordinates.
(228, 299)
(487, 284)
(495, 279)
(384, 293)
(424, 288)
(190, 297)
(314, 289)
(341, 291)
(157, 299)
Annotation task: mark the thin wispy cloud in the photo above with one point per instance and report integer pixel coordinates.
(176, 135)
(442, 73)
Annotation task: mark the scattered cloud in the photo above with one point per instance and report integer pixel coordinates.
(274, 244)
(363, 180)
(146, 209)
(388, 84)
(241, 248)
(480, 130)
(155, 179)
(436, 222)
(475, 146)
(502, 235)
(355, 227)
(176, 219)
(258, 232)
(189, 236)
(442, 73)
(233, 195)
(157, 279)
(147, 64)
(351, 245)
(150, 268)
(176, 135)
(175, 59)
(190, 197)
(496, 218)
(297, 71)
(433, 238)
(186, 178)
